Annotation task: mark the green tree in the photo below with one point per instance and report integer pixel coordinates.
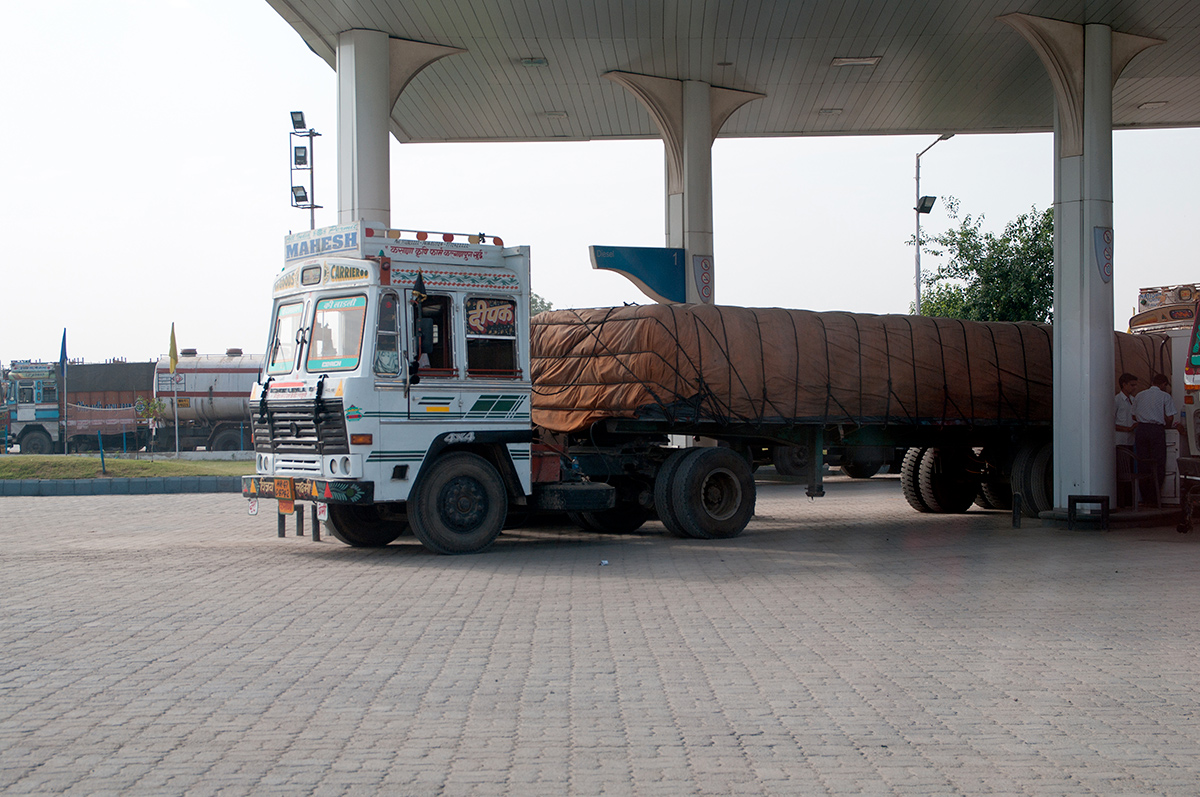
(989, 277)
(538, 305)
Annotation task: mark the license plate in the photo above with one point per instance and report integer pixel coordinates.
(284, 490)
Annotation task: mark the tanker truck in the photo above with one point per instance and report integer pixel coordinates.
(209, 395)
(405, 388)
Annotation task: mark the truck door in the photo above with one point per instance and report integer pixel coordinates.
(435, 391)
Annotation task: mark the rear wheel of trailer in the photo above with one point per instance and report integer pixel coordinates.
(712, 494)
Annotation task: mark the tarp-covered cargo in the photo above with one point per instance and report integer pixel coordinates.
(703, 364)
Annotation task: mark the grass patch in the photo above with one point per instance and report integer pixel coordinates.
(58, 466)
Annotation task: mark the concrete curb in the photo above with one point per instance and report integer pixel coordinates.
(123, 486)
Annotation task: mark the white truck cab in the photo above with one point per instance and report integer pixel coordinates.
(397, 369)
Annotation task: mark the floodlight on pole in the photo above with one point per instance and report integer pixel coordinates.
(924, 205)
(303, 156)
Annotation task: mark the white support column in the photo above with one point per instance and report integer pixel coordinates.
(1084, 442)
(697, 231)
(364, 111)
(1083, 63)
(688, 115)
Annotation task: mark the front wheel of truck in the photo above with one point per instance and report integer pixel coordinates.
(458, 504)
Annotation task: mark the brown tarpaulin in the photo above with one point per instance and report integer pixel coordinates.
(771, 365)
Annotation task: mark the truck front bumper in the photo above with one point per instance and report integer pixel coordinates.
(286, 488)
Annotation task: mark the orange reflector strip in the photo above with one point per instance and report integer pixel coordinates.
(361, 439)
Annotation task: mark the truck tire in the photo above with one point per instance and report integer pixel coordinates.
(910, 470)
(623, 518)
(998, 494)
(863, 462)
(1033, 477)
(226, 440)
(458, 504)
(982, 501)
(36, 441)
(361, 526)
(789, 460)
(945, 483)
(663, 483)
(713, 494)
(861, 470)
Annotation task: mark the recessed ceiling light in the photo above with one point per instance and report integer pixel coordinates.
(1146, 106)
(830, 111)
(860, 60)
(535, 61)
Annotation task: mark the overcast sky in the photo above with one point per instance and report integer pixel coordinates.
(144, 181)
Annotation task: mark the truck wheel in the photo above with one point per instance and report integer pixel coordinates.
(36, 441)
(361, 526)
(713, 494)
(910, 470)
(789, 460)
(1033, 477)
(945, 483)
(861, 470)
(998, 494)
(663, 501)
(458, 504)
(623, 518)
(226, 440)
(982, 501)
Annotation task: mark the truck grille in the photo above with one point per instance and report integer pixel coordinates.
(295, 427)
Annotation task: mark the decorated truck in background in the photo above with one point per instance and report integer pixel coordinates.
(112, 404)
(406, 387)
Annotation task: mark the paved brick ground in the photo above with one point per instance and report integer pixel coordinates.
(172, 644)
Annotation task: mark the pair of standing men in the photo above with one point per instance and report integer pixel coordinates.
(1142, 419)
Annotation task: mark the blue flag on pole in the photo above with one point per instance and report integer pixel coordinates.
(62, 356)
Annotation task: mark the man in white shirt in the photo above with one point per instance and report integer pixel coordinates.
(1123, 416)
(1153, 412)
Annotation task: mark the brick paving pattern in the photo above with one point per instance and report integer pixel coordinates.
(173, 645)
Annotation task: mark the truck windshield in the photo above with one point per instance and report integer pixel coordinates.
(283, 342)
(336, 340)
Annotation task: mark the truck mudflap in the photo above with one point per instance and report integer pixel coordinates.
(574, 497)
(286, 488)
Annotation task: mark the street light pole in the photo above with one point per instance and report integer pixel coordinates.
(923, 205)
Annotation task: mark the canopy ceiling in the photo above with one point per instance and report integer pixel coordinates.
(944, 65)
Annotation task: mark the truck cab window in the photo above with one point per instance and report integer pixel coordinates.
(387, 350)
(491, 337)
(335, 340)
(432, 345)
(49, 393)
(282, 358)
(25, 393)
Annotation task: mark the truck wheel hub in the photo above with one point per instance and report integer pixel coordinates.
(721, 494)
(463, 503)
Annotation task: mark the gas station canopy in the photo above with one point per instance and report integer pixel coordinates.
(532, 70)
